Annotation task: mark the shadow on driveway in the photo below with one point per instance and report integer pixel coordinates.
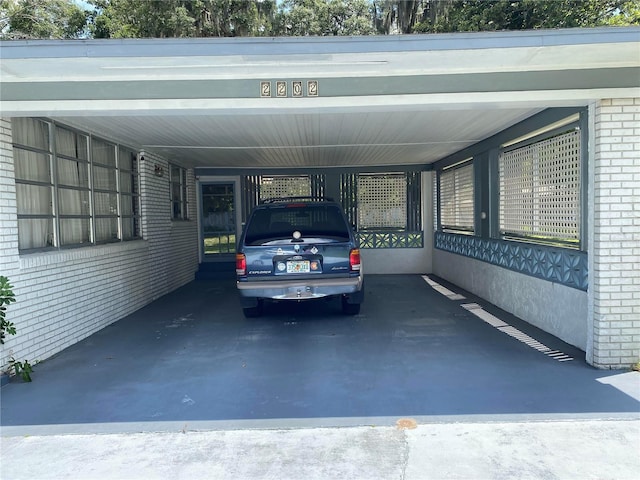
(192, 356)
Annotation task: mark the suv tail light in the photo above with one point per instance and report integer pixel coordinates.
(354, 260)
(241, 264)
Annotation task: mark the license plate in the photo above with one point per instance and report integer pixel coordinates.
(298, 266)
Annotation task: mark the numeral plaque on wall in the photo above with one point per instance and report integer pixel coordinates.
(312, 88)
(282, 89)
(265, 89)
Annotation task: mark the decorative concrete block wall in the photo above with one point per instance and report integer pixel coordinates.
(555, 308)
(66, 295)
(614, 248)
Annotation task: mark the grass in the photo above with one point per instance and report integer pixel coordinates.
(220, 244)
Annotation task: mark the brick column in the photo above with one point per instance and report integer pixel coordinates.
(9, 259)
(614, 276)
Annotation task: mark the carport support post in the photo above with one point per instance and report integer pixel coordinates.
(614, 231)
(481, 174)
(332, 186)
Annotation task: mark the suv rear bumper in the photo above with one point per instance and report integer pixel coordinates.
(302, 289)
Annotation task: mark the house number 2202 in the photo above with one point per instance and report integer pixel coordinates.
(284, 89)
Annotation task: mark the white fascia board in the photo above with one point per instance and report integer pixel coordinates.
(367, 64)
(261, 46)
(236, 106)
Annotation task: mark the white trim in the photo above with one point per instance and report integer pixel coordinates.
(53, 257)
(238, 198)
(270, 106)
(591, 219)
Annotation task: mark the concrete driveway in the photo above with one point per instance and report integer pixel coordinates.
(416, 350)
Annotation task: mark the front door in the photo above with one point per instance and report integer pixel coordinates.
(218, 219)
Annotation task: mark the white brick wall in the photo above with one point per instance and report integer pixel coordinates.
(8, 220)
(167, 237)
(614, 276)
(64, 296)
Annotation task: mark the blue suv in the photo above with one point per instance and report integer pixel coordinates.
(295, 249)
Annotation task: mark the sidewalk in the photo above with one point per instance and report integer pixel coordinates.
(549, 449)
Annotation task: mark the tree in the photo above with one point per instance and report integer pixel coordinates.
(242, 18)
(397, 16)
(481, 15)
(229, 18)
(136, 19)
(627, 14)
(322, 18)
(28, 19)
(182, 18)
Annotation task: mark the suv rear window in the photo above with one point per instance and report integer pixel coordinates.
(282, 220)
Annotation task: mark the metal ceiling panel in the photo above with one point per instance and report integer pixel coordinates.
(300, 140)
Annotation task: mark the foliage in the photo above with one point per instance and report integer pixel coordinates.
(181, 18)
(482, 15)
(230, 18)
(24, 369)
(393, 16)
(6, 297)
(135, 19)
(323, 18)
(627, 14)
(45, 19)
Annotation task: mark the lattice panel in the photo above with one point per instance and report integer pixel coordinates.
(382, 201)
(540, 189)
(390, 239)
(456, 198)
(281, 186)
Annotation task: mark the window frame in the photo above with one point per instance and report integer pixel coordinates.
(182, 213)
(85, 188)
(539, 236)
(453, 170)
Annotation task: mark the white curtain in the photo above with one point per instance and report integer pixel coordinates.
(30, 132)
(106, 201)
(34, 232)
(126, 164)
(71, 201)
(33, 167)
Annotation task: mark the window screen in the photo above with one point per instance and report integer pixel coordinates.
(540, 190)
(456, 198)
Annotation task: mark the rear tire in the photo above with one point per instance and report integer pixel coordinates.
(253, 312)
(350, 308)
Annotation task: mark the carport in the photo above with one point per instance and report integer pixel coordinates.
(186, 122)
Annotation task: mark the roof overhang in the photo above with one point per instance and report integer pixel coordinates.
(380, 101)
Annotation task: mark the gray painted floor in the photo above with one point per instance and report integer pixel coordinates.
(191, 358)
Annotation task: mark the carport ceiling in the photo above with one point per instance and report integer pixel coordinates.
(393, 137)
(382, 101)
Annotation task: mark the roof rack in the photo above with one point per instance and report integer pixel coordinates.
(296, 199)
